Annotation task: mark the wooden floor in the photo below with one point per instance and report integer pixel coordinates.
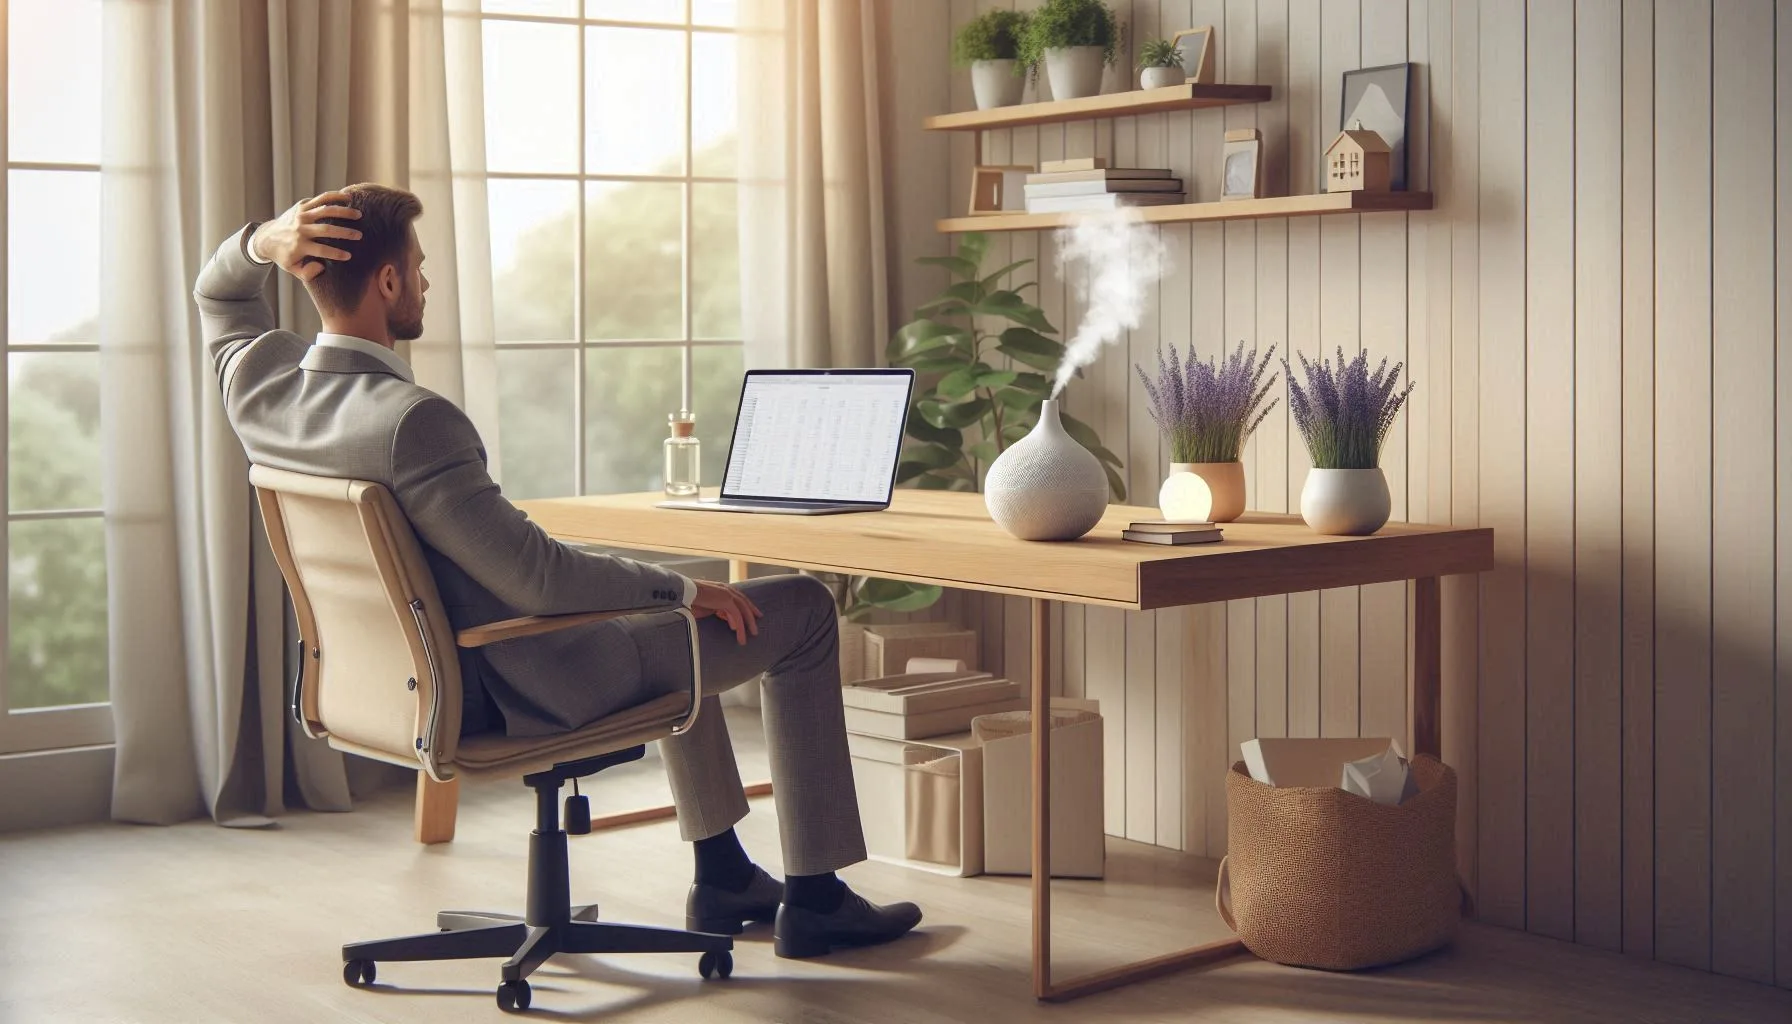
(197, 923)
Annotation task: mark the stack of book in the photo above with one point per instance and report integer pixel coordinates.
(1070, 185)
(1163, 531)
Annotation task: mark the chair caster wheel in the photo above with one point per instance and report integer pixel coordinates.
(717, 963)
(358, 973)
(513, 996)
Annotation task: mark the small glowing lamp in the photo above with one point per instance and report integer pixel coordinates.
(1185, 498)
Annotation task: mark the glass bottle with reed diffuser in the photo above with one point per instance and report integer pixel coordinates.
(683, 456)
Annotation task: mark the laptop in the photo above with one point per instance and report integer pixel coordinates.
(813, 442)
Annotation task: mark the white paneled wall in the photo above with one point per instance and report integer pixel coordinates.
(1592, 313)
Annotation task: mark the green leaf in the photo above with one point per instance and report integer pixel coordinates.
(930, 363)
(942, 306)
(1025, 339)
(906, 471)
(921, 430)
(1084, 434)
(958, 265)
(1009, 305)
(1012, 432)
(1037, 383)
(1115, 484)
(925, 335)
(897, 595)
(1015, 398)
(991, 280)
(972, 246)
(932, 482)
(956, 416)
(983, 451)
(1030, 358)
(932, 456)
(988, 378)
(960, 382)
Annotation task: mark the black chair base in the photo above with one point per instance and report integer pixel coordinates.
(552, 925)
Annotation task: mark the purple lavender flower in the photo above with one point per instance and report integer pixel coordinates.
(1208, 409)
(1345, 414)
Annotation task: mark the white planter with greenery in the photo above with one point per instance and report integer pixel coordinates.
(990, 45)
(997, 83)
(1075, 40)
(1345, 414)
(1160, 65)
(1207, 409)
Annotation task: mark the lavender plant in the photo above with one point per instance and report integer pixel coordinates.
(1207, 409)
(1345, 414)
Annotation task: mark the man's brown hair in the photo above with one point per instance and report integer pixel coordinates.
(386, 216)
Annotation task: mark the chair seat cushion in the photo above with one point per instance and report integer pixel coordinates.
(494, 752)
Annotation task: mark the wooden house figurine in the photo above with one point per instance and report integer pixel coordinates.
(1357, 161)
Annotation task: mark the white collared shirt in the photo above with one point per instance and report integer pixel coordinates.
(374, 349)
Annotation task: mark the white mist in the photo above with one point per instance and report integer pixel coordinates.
(1111, 260)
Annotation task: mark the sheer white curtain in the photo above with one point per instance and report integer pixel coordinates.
(218, 112)
(814, 285)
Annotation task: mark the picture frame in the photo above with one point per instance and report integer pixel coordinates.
(998, 189)
(1241, 165)
(1381, 98)
(1196, 47)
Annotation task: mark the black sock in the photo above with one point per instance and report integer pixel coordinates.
(722, 862)
(822, 894)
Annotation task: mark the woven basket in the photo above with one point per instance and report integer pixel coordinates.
(1323, 878)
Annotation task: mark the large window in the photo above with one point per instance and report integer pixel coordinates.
(610, 151)
(53, 688)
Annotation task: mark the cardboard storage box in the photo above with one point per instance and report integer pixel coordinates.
(889, 647)
(921, 802)
(1079, 842)
(923, 704)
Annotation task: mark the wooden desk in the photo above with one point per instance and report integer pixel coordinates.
(947, 538)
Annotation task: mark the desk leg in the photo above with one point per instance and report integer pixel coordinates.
(1427, 668)
(1043, 987)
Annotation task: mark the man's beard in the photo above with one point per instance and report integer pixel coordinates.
(408, 325)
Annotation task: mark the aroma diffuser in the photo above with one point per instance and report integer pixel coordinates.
(1046, 486)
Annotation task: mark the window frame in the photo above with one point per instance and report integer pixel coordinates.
(24, 730)
(579, 344)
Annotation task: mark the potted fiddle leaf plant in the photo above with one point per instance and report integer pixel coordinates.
(1207, 410)
(980, 390)
(1160, 65)
(989, 45)
(1075, 40)
(1345, 413)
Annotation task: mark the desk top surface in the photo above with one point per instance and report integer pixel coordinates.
(948, 538)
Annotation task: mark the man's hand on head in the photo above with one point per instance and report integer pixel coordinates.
(729, 605)
(295, 239)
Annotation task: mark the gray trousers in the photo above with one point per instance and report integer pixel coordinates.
(797, 650)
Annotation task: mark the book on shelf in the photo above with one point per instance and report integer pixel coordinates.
(1075, 163)
(1098, 174)
(1171, 526)
(1104, 201)
(1182, 537)
(1095, 188)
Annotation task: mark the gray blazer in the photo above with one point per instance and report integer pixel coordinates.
(340, 413)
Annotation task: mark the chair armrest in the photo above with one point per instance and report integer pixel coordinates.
(533, 625)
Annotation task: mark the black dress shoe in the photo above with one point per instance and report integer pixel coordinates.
(713, 909)
(802, 933)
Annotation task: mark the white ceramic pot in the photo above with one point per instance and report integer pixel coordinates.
(1074, 71)
(1160, 78)
(996, 83)
(1045, 486)
(1345, 502)
(1225, 480)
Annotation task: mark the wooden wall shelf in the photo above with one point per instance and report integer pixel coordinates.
(1238, 209)
(1187, 96)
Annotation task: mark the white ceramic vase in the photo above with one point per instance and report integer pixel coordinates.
(1160, 78)
(996, 83)
(1046, 486)
(1074, 71)
(1345, 502)
(1225, 480)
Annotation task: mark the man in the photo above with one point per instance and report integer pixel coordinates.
(347, 406)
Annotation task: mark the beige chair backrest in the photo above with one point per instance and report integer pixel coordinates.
(380, 673)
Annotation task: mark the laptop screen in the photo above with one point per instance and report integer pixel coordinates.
(822, 436)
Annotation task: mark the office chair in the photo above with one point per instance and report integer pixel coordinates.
(379, 677)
